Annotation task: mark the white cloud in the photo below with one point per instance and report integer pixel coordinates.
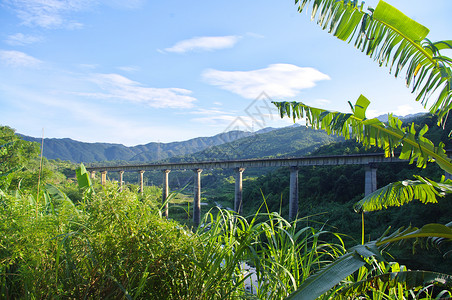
(18, 59)
(404, 110)
(124, 4)
(120, 87)
(20, 39)
(277, 80)
(209, 111)
(88, 66)
(322, 102)
(129, 69)
(215, 120)
(207, 43)
(48, 13)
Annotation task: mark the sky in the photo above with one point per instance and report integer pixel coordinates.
(139, 71)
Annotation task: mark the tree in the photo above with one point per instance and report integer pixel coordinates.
(15, 154)
(395, 41)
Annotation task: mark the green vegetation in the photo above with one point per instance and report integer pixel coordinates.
(101, 243)
(109, 245)
(393, 40)
(79, 240)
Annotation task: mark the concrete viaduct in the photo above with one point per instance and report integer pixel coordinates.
(369, 160)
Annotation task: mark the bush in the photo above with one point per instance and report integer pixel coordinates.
(114, 245)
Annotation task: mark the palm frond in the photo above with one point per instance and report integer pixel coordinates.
(393, 40)
(401, 192)
(371, 132)
(433, 230)
(355, 258)
(326, 278)
(410, 279)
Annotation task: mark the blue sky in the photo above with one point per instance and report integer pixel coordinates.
(138, 71)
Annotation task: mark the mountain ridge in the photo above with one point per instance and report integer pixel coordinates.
(77, 151)
(294, 140)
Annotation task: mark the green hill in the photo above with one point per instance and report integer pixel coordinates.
(75, 151)
(269, 142)
(289, 141)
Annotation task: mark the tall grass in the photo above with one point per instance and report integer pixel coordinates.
(281, 254)
(112, 246)
(115, 245)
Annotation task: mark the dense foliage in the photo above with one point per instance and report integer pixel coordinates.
(110, 244)
(101, 243)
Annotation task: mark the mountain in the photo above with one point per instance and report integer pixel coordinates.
(75, 151)
(268, 142)
(407, 118)
(289, 141)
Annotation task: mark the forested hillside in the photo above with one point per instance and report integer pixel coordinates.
(289, 141)
(75, 151)
(268, 142)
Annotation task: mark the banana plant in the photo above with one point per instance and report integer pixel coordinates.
(413, 145)
(401, 192)
(84, 181)
(324, 280)
(393, 40)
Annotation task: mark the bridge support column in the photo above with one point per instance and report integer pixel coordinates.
(238, 190)
(93, 175)
(121, 173)
(141, 172)
(165, 192)
(370, 182)
(293, 193)
(103, 178)
(197, 198)
(446, 174)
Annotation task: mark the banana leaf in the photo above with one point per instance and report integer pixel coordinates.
(393, 40)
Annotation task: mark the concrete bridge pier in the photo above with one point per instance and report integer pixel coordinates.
(370, 182)
(93, 175)
(121, 173)
(103, 178)
(293, 193)
(238, 190)
(197, 198)
(446, 174)
(141, 172)
(165, 192)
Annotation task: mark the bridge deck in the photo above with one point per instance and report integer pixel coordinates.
(355, 159)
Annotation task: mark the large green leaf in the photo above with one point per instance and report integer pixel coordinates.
(319, 283)
(393, 40)
(371, 132)
(401, 192)
(83, 177)
(388, 136)
(426, 231)
(394, 18)
(410, 279)
(55, 199)
(322, 281)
